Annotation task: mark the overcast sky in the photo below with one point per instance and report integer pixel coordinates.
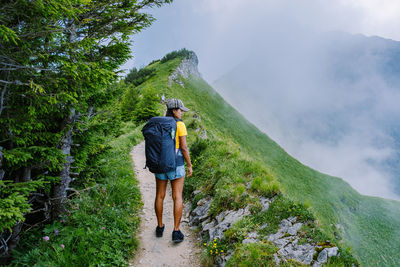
(225, 34)
(218, 30)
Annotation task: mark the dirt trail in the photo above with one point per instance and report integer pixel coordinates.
(155, 251)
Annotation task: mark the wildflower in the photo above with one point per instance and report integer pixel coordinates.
(211, 252)
(222, 251)
(46, 238)
(102, 228)
(215, 239)
(62, 246)
(215, 245)
(56, 231)
(205, 244)
(108, 205)
(104, 190)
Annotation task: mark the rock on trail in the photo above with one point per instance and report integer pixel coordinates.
(155, 251)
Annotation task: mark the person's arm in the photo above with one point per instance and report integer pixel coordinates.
(185, 153)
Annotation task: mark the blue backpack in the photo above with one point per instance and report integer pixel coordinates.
(159, 135)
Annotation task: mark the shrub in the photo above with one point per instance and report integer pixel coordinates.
(265, 187)
(147, 106)
(183, 53)
(14, 201)
(254, 254)
(137, 77)
(154, 61)
(129, 102)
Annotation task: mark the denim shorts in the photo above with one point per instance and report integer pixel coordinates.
(172, 175)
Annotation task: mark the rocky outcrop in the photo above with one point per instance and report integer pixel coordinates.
(286, 240)
(188, 67)
(215, 227)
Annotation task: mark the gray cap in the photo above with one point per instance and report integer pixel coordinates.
(176, 103)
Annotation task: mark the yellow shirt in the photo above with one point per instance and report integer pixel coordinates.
(180, 131)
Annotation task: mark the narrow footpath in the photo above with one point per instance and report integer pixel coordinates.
(155, 251)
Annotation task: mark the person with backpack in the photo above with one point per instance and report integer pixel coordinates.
(166, 153)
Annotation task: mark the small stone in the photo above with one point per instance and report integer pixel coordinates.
(293, 230)
(264, 203)
(292, 219)
(302, 253)
(221, 216)
(250, 240)
(207, 225)
(186, 208)
(332, 252)
(280, 243)
(265, 225)
(226, 220)
(285, 224)
(202, 201)
(196, 192)
(282, 252)
(273, 237)
(323, 256)
(200, 213)
(252, 235)
(276, 259)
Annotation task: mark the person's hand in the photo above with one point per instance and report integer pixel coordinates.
(189, 171)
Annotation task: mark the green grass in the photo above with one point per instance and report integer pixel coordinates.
(371, 225)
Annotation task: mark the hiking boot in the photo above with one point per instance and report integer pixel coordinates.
(160, 230)
(177, 236)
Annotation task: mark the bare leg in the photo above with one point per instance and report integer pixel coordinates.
(161, 187)
(177, 188)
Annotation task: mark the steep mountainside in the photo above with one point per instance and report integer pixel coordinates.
(331, 101)
(369, 225)
(236, 166)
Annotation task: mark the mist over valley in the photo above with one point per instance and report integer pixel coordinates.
(329, 99)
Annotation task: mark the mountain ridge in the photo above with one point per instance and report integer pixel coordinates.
(359, 215)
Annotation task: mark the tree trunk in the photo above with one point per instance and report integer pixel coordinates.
(14, 240)
(1, 164)
(59, 195)
(3, 95)
(26, 177)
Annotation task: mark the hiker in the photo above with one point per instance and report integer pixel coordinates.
(175, 108)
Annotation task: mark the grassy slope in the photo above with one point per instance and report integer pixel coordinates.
(371, 225)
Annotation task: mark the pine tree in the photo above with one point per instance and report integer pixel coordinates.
(56, 58)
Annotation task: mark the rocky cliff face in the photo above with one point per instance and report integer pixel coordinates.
(188, 67)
